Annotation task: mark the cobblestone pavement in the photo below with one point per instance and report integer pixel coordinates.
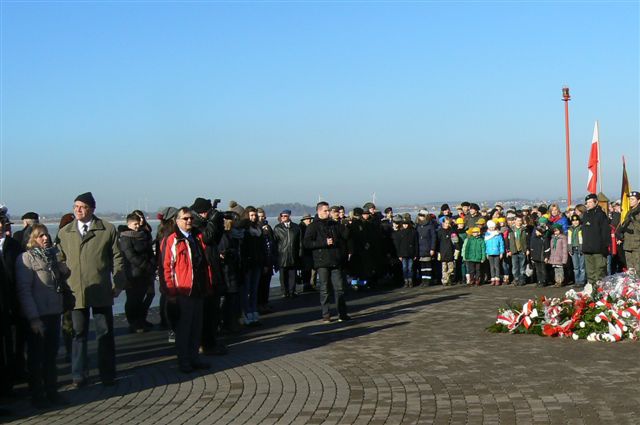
(414, 356)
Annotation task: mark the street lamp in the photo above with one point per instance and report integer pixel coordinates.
(566, 98)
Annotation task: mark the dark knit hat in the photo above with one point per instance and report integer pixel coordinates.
(557, 226)
(201, 205)
(285, 212)
(357, 212)
(30, 216)
(368, 206)
(388, 210)
(634, 194)
(444, 207)
(591, 196)
(235, 207)
(474, 206)
(86, 198)
(465, 204)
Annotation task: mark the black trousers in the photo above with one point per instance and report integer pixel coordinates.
(188, 329)
(264, 286)
(211, 315)
(42, 351)
(134, 308)
(288, 280)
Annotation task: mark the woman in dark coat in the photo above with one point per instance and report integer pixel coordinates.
(40, 283)
(405, 241)
(253, 261)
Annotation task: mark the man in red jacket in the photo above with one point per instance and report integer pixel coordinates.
(188, 278)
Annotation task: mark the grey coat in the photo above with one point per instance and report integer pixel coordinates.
(36, 286)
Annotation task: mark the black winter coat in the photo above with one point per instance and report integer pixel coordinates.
(139, 259)
(446, 246)
(365, 246)
(596, 234)
(539, 247)
(406, 242)
(10, 252)
(289, 243)
(315, 239)
(212, 229)
(253, 247)
(230, 247)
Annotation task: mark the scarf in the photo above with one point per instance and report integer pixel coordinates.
(48, 257)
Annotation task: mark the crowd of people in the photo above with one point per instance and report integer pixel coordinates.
(215, 267)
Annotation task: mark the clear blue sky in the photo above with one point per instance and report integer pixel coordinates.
(283, 101)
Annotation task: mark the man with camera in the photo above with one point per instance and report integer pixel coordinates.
(209, 222)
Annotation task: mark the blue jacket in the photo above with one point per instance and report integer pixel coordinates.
(426, 238)
(494, 243)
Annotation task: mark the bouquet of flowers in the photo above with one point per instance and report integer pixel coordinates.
(609, 312)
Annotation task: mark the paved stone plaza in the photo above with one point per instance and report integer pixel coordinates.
(414, 356)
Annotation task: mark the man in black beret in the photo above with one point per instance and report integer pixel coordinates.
(28, 220)
(596, 238)
(629, 231)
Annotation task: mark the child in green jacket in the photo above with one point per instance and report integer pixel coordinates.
(474, 253)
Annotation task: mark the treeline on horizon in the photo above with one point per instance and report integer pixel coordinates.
(298, 209)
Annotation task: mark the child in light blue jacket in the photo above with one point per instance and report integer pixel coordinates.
(494, 243)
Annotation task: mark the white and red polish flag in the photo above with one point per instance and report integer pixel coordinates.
(594, 158)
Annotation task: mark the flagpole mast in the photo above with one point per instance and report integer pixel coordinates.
(599, 158)
(566, 97)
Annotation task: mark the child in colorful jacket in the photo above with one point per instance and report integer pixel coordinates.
(474, 253)
(574, 236)
(461, 267)
(558, 254)
(494, 243)
(539, 249)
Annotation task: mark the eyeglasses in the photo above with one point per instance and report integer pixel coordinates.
(186, 218)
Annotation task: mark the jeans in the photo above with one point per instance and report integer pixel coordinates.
(577, 258)
(335, 277)
(517, 266)
(42, 351)
(288, 280)
(103, 319)
(494, 266)
(407, 267)
(250, 290)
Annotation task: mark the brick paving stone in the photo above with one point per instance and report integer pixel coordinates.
(410, 356)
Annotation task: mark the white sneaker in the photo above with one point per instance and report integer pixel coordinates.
(248, 318)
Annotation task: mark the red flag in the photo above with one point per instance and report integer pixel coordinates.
(593, 162)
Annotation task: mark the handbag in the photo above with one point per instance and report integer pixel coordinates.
(68, 299)
(528, 270)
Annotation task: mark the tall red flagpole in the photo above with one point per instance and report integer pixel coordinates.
(566, 98)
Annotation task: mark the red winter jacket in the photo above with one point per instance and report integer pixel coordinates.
(178, 269)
